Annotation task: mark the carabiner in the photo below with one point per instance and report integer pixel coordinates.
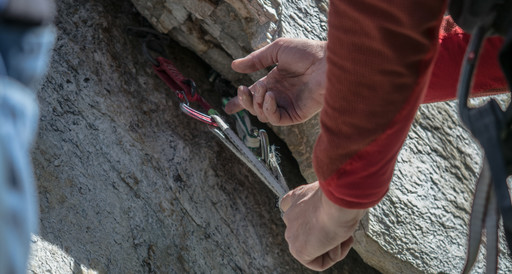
(265, 147)
(185, 108)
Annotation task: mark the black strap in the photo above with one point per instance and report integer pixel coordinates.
(491, 127)
(506, 136)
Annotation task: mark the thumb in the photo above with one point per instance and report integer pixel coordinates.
(292, 196)
(259, 59)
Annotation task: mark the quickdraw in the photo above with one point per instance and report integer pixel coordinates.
(244, 145)
(185, 89)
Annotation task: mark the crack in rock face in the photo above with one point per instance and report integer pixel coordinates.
(126, 182)
(421, 225)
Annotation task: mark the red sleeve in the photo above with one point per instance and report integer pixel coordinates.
(379, 61)
(453, 41)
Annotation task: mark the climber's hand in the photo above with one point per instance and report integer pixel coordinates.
(319, 232)
(293, 91)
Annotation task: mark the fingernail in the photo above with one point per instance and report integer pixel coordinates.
(266, 103)
(240, 92)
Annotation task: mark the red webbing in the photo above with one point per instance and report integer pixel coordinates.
(177, 82)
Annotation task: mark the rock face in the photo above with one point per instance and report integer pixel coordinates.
(219, 31)
(423, 221)
(129, 184)
(421, 225)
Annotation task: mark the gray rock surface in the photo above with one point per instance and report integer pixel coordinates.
(423, 221)
(129, 184)
(421, 225)
(220, 31)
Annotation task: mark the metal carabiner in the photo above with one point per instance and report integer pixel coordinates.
(152, 41)
(185, 108)
(192, 85)
(264, 147)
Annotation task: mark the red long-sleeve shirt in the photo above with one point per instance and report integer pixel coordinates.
(380, 59)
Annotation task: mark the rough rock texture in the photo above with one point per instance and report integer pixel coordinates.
(423, 221)
(129, 184)
(421, 225)
(220, 31)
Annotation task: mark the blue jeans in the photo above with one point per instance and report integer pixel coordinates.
(24, 56)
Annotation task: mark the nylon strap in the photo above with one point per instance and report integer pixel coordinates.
(484, 212)
(231, 140)
(490, 126)
(185, 89)
(177, 82)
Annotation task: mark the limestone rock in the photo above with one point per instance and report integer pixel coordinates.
(129, 184)
(421, 225)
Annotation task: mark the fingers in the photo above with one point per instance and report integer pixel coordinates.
(258, 89)
(234, 105)
(314, 243)
(345, 247)
(259, 59)
(334, 254)
(243, 100)
(331, 257)
(270, 109)
(258, 101)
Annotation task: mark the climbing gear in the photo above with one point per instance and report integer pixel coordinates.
(245, 130)
(273, 178)
(185, 90)
(491, 126)
(266, 167)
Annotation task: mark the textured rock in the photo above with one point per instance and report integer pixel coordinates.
(423, 220)
(127, 183)
(220, 31)
(421, 225)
